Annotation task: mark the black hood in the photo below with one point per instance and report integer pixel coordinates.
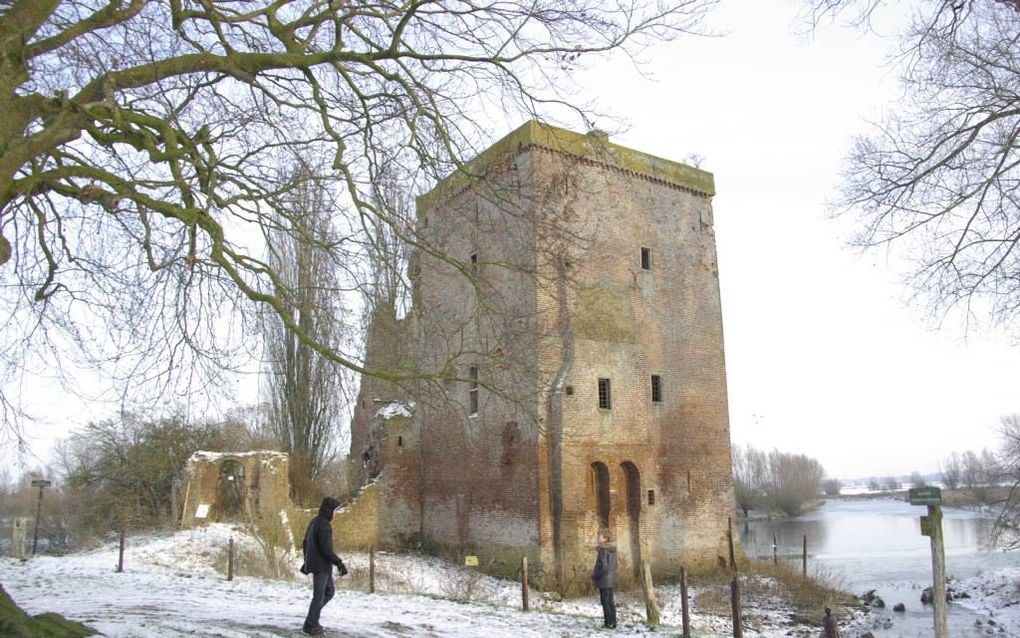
(328, 505)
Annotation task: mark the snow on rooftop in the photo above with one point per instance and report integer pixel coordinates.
(396, 408)
(202, 455)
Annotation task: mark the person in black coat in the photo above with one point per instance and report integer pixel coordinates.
(603, 577)
(319, 561)
(829, 624)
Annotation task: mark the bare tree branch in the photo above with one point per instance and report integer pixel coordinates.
(143, 145)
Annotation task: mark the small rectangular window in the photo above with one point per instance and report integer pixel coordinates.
(656, 388)
(651, 497)
(474, 264)
(646, 258)
(473, 390)
(605, 397)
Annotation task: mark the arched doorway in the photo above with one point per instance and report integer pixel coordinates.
(633, 478)
(231, 488)
(600, 482)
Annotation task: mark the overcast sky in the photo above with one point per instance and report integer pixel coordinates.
(825, 354)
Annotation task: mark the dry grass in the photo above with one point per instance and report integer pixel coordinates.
(254, 563)
(773, 587)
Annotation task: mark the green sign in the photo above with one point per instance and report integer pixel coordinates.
(41, 483)
(925, 496)
(926, 526)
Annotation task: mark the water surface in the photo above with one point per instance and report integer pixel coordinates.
(877, 544)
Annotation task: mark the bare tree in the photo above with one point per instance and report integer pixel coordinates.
(787, 482)
(1007, 524)
(143, 146)
(121, 471)
(832, 487)
(891, 484)
(940, 175)
(308, 393)
(952, 471)
(917, 479)
(748, 477)
(794, 481)
(972, 475)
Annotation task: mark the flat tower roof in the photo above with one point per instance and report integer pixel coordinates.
(594, 147)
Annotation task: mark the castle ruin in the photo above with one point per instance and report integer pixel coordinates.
(567, 307)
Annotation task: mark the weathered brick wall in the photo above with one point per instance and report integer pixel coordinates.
(399, 485)
(479, 471)
(265, 483)
(557, 299)
(388, 348)
(356, 524)
(628, 323)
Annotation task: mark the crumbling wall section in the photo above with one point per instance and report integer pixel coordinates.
(258, 478)
(388, 349)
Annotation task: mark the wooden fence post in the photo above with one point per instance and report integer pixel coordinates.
(230, 559)
(524, 583)
(803, 558)
(775, 550)
(120, 556)
(685, 615)
(371, 569)
(729, 537)
(651, 606)
(738, 628)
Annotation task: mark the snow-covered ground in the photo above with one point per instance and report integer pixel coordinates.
(994, 594)
(171, 587)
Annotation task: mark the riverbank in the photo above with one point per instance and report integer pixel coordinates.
(969, 498)
(875, 544)
(995, 596)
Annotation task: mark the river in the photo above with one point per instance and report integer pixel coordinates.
(877, 544)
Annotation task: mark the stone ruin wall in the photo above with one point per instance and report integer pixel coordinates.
(385, 512)
(265, 489)
(387, 347)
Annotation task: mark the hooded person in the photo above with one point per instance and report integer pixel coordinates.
(319, 561)
(603, 577)
(831, 629)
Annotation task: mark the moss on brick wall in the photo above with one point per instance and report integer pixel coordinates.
(602, 314)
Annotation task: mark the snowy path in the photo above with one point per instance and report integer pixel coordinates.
(169, 589)
(140, 604)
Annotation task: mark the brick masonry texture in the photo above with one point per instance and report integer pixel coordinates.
(256, 479)
(557, 299)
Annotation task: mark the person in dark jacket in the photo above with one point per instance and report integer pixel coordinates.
(829, 624)
(603, 577)
(319, 561)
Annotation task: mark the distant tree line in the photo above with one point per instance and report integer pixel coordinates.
(775, 481)
(126, 473)
(992, 478)
(970, 470)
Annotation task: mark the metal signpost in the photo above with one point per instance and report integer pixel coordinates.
(931, 526)
(41, 484)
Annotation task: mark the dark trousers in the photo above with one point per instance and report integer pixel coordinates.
(322, 593)
(608, 607)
